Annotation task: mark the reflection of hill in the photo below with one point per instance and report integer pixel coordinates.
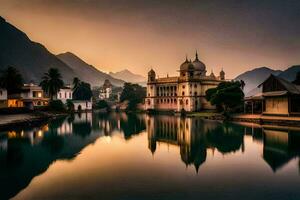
(226, 138)
(30, 152)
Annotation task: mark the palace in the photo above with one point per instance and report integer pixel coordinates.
(183, 92)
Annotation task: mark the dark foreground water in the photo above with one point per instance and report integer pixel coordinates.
(94, 156)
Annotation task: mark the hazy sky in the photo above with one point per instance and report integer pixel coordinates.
(237, 35)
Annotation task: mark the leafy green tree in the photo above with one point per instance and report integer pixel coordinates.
(297, 80)
(11, 80)
(227, 95)
(52, 82)
(83, 92)
(134, 94)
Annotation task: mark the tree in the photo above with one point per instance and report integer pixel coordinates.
(11, 80)
(134, 94)
(297, 80)
(52, 82)
(242, 84)
(83, 92)
(76, 83)
(227, 95)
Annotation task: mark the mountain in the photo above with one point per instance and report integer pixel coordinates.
(255, 77)
(290, 73)
(128, 76)
(86, 72)
(30, 58)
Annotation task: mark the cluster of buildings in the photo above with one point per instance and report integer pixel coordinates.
(32, 96)
(183, 92)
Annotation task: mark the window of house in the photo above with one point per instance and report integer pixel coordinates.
(195, 93)
(182, 93)
(195, 86)
(183, 86)
(187, 102)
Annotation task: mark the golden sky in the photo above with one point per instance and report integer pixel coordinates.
(139, 34)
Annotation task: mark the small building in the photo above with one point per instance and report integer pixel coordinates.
(82, 105)
(105, 90)
(3, 98)
(30, 96)
(278, 97)
(65, 94)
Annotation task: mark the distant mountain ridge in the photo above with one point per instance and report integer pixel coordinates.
(33, 59)
(30, 58)
(128, 76)
(256, 76)
(88, 73)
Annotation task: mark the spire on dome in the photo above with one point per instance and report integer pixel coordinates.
(196, 55)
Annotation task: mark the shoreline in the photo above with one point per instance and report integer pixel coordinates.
(9, 121)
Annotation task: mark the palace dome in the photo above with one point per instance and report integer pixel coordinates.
(199, 66)
(186, 65)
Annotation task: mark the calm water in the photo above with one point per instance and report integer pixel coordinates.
(94, 156)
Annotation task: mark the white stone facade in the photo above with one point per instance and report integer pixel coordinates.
(184, 92)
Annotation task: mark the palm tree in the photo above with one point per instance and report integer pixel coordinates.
(52, 82)
(11, 80)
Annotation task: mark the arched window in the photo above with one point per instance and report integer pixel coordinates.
(181, 102)
(195, 93)
(187, 102)
(148, 94)
(168, 100)
(175, 101)
(195, 86)
(182, 93)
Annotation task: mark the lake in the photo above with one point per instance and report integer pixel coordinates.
(119, 156)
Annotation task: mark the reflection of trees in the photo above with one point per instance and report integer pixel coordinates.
(82, 128)
(226, 138)
(53, 143)
(24, 159)
(132, 126)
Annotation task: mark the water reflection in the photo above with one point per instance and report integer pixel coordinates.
(195, 137)
(28, 152)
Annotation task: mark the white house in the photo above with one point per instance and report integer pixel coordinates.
(82, 105)
(105, 90)
(31, 96)
(65, 94)
(3, 98)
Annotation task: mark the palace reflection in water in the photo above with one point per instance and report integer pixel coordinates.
(195, 137)
(26, 153)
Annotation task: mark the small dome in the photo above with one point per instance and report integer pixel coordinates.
(185, 65)
(212, 75)
(190, 67)
(199, 66)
